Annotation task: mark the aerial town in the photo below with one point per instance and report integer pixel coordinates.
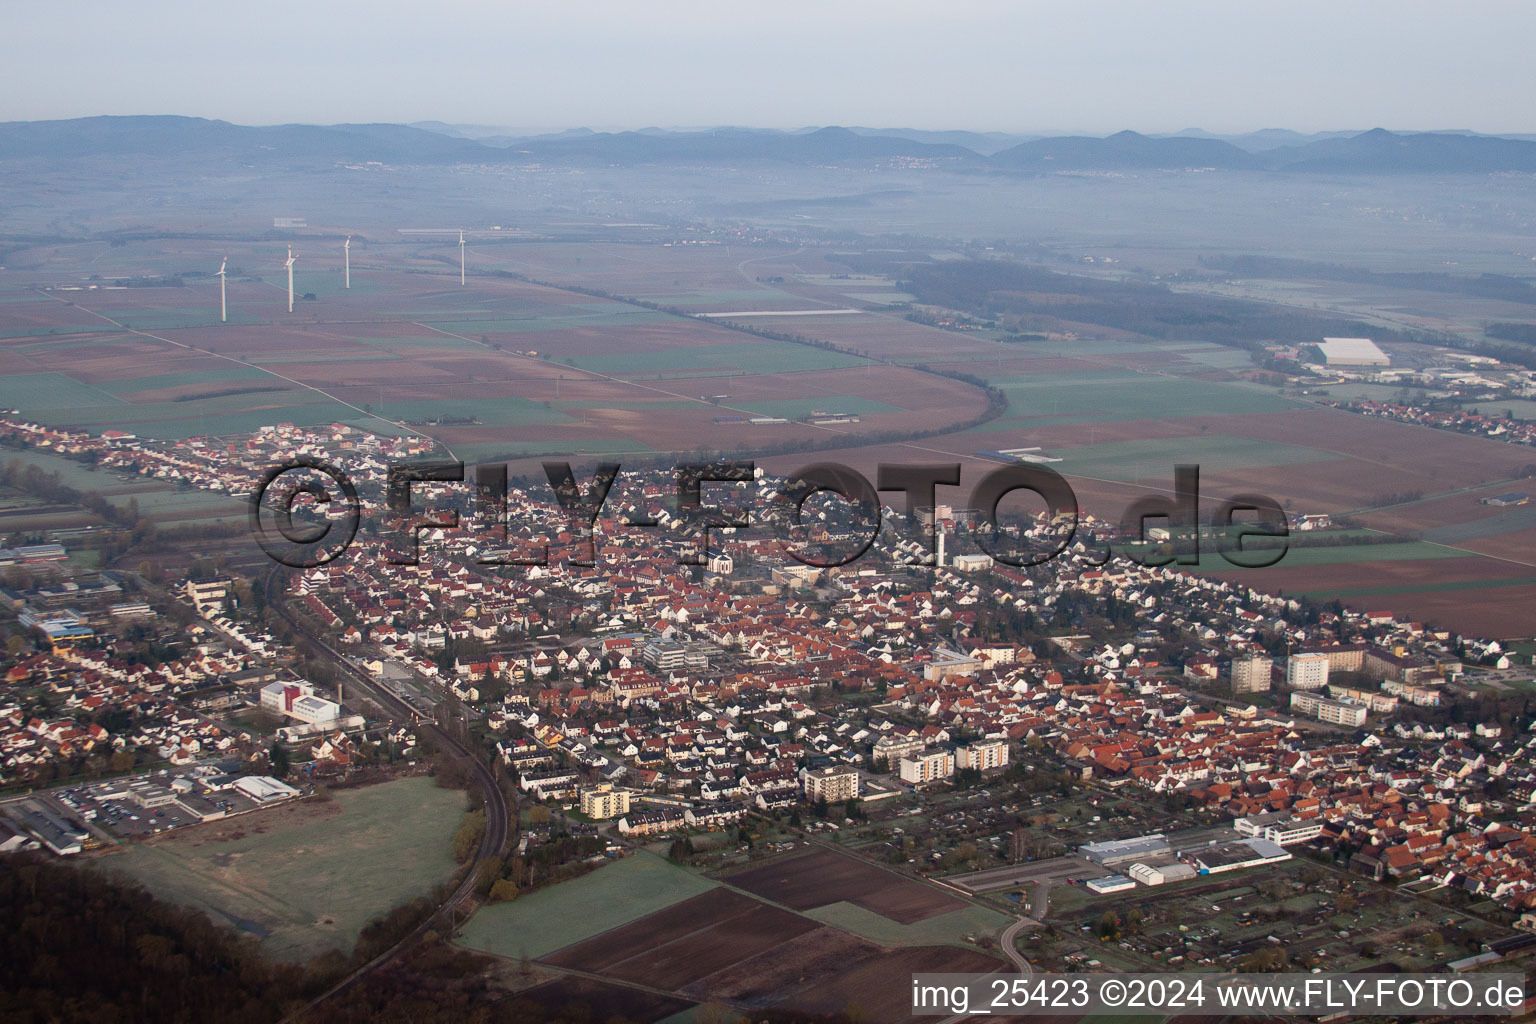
(663, 698)
(767, 515)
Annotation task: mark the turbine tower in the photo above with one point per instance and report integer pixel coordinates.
(289, 265)
(461, 257)
(223, 304)
(346, 250)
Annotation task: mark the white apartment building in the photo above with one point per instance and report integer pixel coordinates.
(834, 785)
(1307, 671)
(1338, 712)
(927, 766)
(983, 755)
(1250, 673)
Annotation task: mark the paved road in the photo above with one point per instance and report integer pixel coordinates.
(1009, 934)
(1057, 869)
(1018, 959)
(497, 812)
(1039, 871)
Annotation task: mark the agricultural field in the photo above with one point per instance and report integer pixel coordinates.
(687, 942)
(506, 368)
(305, 877)
(163, 502)
(950, 927)
(724, 944)
(824, 877)
(560, 915)
(753, 938)
(830, 971)
(503, 369)
(601, 1001)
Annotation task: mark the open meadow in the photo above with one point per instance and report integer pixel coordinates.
(304, 878)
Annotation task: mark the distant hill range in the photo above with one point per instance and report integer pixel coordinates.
(1371, 152)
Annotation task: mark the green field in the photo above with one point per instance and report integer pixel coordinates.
(59, 400)
(310, 887)
(483, 451)
(1347, 593)
(427, 341)
(491, 412)
(795, 408)
(558, 915)
(323, 283)
(229, 373)
(1154, 459)
(96, 327)
(746, 357)
(1523, 408)
(619, 316)
(53, 393)
(157, 498)
(950, 928)
(705, 297)
(1406, 551)
(1113, 396)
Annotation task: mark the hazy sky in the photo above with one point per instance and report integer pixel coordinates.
(1088, 65)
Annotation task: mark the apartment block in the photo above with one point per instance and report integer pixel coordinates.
(928, 766)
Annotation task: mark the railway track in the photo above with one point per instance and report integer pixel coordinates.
(497, 810)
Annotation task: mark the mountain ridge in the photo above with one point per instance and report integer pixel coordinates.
(1376, 151)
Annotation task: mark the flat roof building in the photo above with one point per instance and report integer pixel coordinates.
(834, 785)
(1251, 673)
(1352, 352)
(1124, 851)
(1244, 853)
(1307, 670)
(1148, 874)
(604, 802)
(264, 789)
(1324, 709)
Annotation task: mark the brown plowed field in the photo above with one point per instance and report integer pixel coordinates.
(823, 877)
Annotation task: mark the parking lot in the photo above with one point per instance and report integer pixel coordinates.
(148, 805)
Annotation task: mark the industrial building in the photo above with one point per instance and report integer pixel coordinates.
(1244, 853)
(1109, 883)
(59, 835)
(673, 656)
(1125, 851)
(1149, 874)
(264, 789)
(1352, 352)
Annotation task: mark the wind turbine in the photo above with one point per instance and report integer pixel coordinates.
(289, 265)
(346, 250)
(223, 304)
(461, 257)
